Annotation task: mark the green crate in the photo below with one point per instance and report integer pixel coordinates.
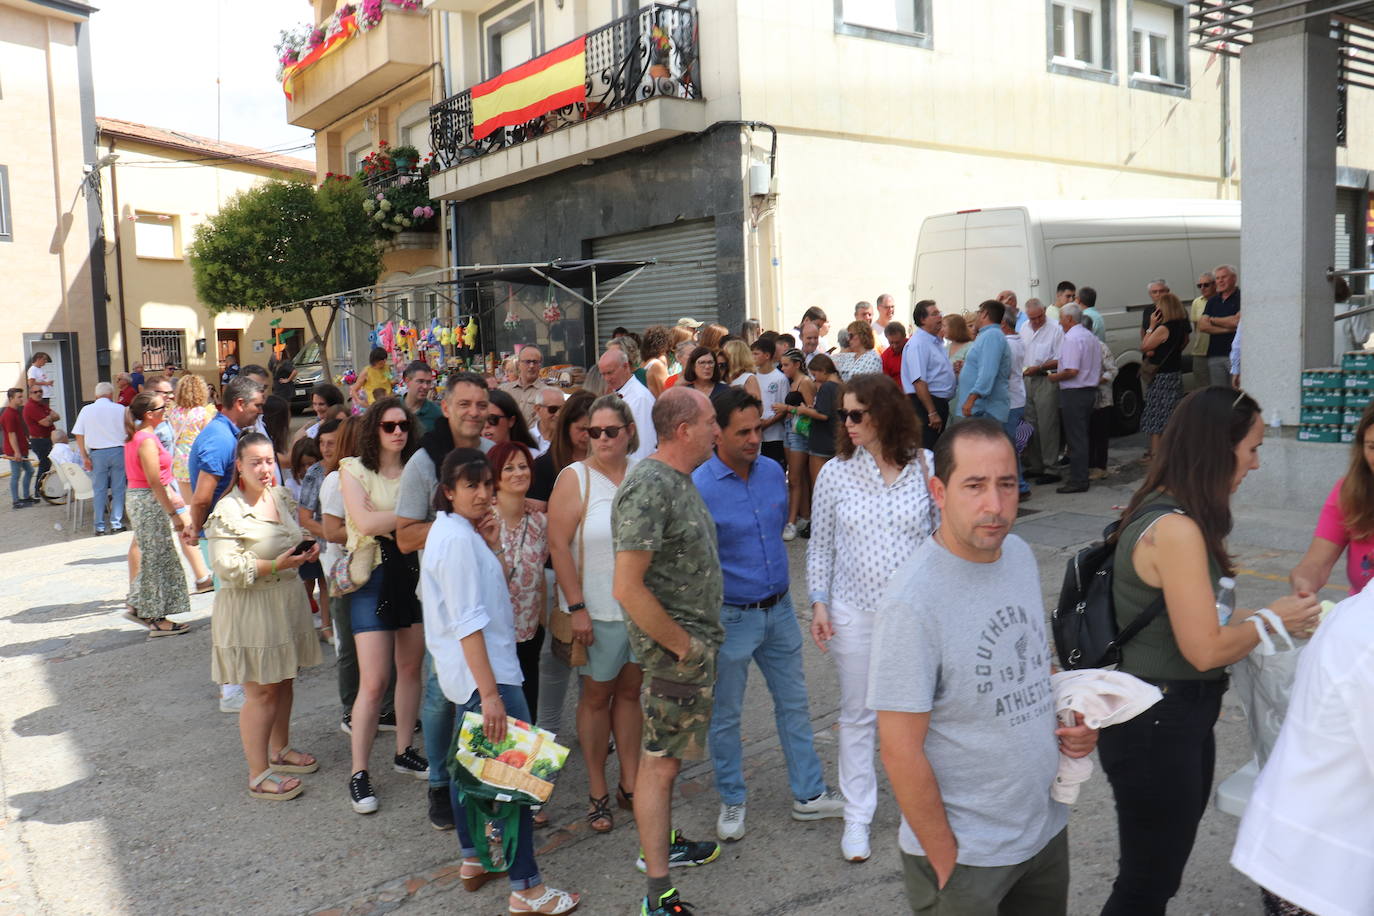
(1319, 434)
(1347, 434)
(1357, 380)
(1358, 361)
(1326, 378)
(1358, 398)
(1322, 416)
(1323, 397)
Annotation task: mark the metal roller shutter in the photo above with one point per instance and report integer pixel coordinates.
(681, 284)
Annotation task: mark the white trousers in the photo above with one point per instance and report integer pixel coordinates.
(858, 724)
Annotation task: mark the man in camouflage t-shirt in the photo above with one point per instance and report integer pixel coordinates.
(668, 580)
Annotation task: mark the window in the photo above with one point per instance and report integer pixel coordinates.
(356, 149)
(511, 38)
(412, 127)
(155, 236)
(1079, 35)
(161, 347)
(6, 229)
(902, 21)
(1159, 57)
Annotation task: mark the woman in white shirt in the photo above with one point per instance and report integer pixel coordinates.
(873, 492)
(470, 633)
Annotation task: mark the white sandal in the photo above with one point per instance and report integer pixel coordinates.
(268, 775)
(565, 902)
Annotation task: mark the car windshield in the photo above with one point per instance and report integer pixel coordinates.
(309, 355)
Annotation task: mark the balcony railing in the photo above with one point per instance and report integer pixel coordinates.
(651, 53)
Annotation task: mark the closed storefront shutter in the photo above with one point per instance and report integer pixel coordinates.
(681, 284)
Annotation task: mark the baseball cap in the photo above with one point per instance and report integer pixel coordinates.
(688, 323)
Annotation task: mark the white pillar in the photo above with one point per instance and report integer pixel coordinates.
(1288, 193)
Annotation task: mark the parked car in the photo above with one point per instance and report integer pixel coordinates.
(309, 373)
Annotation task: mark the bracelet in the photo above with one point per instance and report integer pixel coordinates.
(274, 567)
(182, 511)
(579, 606)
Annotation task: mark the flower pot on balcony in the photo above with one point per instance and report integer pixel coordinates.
(412, 240)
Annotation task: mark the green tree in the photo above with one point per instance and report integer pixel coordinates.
(284, 242)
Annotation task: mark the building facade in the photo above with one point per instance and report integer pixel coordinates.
(159, 185)
(49, 215)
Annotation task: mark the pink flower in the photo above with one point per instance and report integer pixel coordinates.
(418, 212)
(380, 195)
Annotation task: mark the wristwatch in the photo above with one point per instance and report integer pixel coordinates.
(579, 606)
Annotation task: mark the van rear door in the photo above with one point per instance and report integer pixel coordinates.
(939, 269)
(996, 257)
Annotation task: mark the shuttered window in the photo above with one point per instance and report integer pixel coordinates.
(681, 284)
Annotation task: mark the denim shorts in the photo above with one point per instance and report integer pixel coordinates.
(362, 608)
(795, 441)
(609, 652)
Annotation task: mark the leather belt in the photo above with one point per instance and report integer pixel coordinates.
(765, 604)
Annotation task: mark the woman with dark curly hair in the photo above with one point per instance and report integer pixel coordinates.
(653, 350)
(384, 612)
(873, 492)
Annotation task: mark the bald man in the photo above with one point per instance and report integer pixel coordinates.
(620, 378)
(546, 413)
(527, 386)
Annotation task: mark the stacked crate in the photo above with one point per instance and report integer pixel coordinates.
(1333, 400)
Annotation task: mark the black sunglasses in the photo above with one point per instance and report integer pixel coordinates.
(1205, 285)
(552, 410)
(851, 416)
(390, 426)
(610, 431)
(494, 418)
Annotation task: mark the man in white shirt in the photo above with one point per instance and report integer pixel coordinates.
(927, 375)
(99, 432)
(620, 378)
(1080, 370)
(886, 306)
(1016, 389)
(810, 340)
(1042, 338)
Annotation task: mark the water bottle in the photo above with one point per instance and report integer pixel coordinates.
(1226, 600)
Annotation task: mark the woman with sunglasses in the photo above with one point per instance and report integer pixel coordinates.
(260, 630)
(583, 554)
(159, 587)
(505, 421)
(384, 612)
(470, 630)
(703, 372)
(874, 492)
(801, 393)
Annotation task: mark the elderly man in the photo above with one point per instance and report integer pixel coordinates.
(863, 311)
(927, 374)
(1196, 351)
(886, 305)
(1087, 301)
(668, 579)
(1009, 301)
(550, 400)
(1042, 338)
(1157, 288)
(810, 340)
(1220, 318)
(125, 389)
(99, 432)
(615, 369)
(984, 381)
(527, 385)
(419, 383)
(1080, 370)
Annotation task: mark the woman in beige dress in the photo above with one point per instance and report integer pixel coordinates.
(261, 630)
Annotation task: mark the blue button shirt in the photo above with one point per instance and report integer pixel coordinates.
(213, 453)
(749, 517)
(987, 373)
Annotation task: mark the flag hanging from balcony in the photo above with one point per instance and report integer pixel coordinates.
(348, 27)
(536, 87)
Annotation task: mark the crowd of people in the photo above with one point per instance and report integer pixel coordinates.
(487, 546)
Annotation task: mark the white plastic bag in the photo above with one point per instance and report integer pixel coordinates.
(1264, 682)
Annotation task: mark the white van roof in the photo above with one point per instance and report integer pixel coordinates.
(1050, 211)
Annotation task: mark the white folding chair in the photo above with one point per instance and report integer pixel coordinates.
(79, 490)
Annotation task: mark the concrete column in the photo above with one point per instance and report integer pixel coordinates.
(1288, 193)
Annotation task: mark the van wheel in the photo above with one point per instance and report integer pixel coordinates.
(1129, 401)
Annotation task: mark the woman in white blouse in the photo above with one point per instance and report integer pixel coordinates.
(873, 492)
(470, 633)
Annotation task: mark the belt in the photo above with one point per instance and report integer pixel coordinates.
(763, 605)
(1189, 688)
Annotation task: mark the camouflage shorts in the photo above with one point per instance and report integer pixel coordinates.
(676, 701)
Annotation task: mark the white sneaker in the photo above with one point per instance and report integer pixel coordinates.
(854, 843)
(730, 824)
(789, 532)
(829, 803)
(232, 703)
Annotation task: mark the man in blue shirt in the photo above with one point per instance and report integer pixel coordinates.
(985, 379)
(211, 463)
(747, 498)
(927, 375)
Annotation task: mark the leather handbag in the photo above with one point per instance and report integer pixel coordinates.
(573, 654)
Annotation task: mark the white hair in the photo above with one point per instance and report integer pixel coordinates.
(1235, 273)
(104, 389)
(1073, 312)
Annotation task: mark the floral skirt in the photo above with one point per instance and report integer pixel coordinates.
(1165, 392)
(159, 588)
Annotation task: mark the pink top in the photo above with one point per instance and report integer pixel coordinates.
(1359, 564)
(133, 468)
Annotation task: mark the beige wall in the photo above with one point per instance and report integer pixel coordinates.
(46, 270)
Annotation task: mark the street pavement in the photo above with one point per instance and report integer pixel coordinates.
(123, 786)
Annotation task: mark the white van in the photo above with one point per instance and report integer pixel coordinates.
(1115, 246)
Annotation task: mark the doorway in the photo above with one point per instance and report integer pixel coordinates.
(64, 370)
(227, 342)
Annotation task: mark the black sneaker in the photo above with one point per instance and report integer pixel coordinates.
(386, 722)
(31, 500)
(411, 763)
(360, 793)
(19, 504)
(669, 904)
(346, 723)
(440, 808)
(685, 853)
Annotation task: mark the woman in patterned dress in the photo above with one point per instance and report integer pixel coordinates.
(859, 357)
(159, 587)
(525, 547)
(872, 492)
(188, 412)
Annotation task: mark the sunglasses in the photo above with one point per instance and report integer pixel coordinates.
(494, 418)
(552, 410)
(390, 426)
(852, 416)
(610, 431)
(1205, 285)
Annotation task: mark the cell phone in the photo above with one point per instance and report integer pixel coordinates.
(303, 547)
(1066, 718)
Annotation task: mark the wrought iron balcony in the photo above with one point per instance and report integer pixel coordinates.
(648, 54)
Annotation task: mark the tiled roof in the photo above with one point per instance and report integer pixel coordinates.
(204, 146)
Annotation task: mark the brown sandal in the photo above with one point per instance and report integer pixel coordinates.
(279, 793)
(473, 881)
(601, 813)
(305, 763)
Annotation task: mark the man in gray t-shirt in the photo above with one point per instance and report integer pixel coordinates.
(960, 678)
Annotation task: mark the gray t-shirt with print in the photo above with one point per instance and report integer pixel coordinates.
(966, 642)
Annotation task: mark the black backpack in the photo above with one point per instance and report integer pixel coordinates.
(1084, 622)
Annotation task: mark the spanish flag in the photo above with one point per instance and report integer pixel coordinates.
(348, 27)
(536, 87)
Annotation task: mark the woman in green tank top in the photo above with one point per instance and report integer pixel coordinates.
(1160, 764)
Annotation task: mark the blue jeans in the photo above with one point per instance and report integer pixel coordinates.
(19, 490)
(773, 639)
(524, 872)
(1013, 420)
(436, 722)
(107, 478)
